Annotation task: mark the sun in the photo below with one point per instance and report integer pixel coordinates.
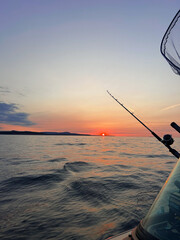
(103, 134)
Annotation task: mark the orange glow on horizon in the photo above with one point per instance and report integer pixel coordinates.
(76, 129)
(56, 123)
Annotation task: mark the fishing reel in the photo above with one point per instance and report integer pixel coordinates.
(167, 139)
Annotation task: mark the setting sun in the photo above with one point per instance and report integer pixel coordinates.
(103, 134)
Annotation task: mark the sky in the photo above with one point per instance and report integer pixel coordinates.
(58, 58)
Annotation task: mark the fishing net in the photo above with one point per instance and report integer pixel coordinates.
(170, 45)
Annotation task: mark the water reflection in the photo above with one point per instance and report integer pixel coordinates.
(77, 187)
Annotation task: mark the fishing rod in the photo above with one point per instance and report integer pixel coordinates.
(167, 139)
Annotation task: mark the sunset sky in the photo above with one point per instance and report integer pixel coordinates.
(58, 58)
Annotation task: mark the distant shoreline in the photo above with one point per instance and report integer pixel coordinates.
(13, 132)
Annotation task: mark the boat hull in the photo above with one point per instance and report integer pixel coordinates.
(129, 235)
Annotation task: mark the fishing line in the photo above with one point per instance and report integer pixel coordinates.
(167, 139)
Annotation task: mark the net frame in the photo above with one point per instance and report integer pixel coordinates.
(165, 40)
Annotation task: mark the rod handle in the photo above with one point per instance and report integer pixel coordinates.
(175, 126)
(174, 152)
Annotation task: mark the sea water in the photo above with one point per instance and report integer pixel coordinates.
(78, 187)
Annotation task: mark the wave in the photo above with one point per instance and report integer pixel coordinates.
(57, 159)
(146, 155)
(124, 183)
(70, 144)
(18, 183)
(89, 191)
(77, 166)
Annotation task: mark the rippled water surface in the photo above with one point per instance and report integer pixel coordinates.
(74, 187)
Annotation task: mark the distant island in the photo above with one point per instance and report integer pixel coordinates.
(14, 132)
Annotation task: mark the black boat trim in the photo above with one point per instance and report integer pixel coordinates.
(142, 234)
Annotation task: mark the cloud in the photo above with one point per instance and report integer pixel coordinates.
(171, 107)
(4, 90)
(9, 115)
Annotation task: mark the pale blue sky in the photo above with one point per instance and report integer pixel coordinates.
(58, 58)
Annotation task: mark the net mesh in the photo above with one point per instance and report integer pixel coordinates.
(170, 45)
